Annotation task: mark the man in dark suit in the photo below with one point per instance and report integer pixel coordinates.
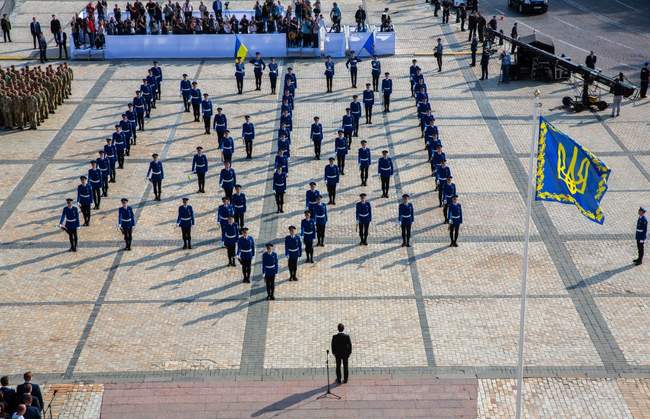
(35, 29)
(35, 390)
(8, 393)
(32, 411)
(341, 348)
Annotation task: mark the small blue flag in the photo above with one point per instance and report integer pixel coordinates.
(569, 173)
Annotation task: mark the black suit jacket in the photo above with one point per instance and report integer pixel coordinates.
(36, 393)
(10, 397)
(32, 413)
(341, 345)
(35, 28)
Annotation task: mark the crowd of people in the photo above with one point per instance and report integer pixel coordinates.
(29, 95)
(23, 402)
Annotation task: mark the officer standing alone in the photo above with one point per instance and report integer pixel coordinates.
(270, 270)
(85, 198)
(293, 251)
(200, 167)
(126, 222)
(641, 235)
(185, 221)
(69, 222)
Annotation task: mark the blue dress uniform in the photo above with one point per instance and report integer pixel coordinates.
(413, 71)
(185, 221)
(436, 161)
(227, 148)
(120, 148)
(355, 111)
(364, 217)
(273, 76)
(387, 90)
(186, 86)
(406, 217)
(329, 74)
(125, 126)
(133, 121)
(455, 217)
(258, 69)
(246, 253)
(341, 149)
(223, 213)
(104, 167)
(364, 159)
(351, 64)
(151, 82)
(294, 81)
(423, 107)
(281, 159)
(230, 238)
(206, 111)
(641, 235)
(316, 136)
(279, 187)
(126, 222)
(368, 101)
(448, 192)
(331, 180)
(347, 123)
(287, 103)
(70, 223)
(139, 105)
(156, 174)
(227, 180)
(385, 171)
(200, 167)
(111, 154)
(220, 125)
(308, 233)
(238, 201)
(286, 120)
(283, 130)
(442, 173)
(195, 98)
(239, 75)
(270, 270)
(284, 145)
(319, 210)
(376, 72)
(157, 72)
(248, 134)
(311, 199)
(96, 182)
(293, 251)
(146, 94)
(85, 198)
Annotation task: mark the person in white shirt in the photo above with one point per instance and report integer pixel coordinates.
(20, 412)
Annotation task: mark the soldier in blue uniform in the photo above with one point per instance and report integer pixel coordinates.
(641, 235)
(200, 167)
(368, 101)
(285, 119)
(85, 198)
(224, 211)
(126, 222)
(95, 180)
(139, 105)
(448, 192)
(120, 146)
(69, 222)
(246, 253)
(455, 219)
(413, 70)
(287, 104)
(364, 217)
(227, 179)
(311, 198)
(185, 221)
(186, 86)
(230, 238)
(436, 161)
(308, 234)
(329, 73)
(151, 82)
(195, 98)
(156, 174)
(125, 126)
(146, 95)
(385, 170)
(227, 147)
(281, 158)
(238, 200)
(355, 111)
(111, 154)
(273, 75)
(239, 75)
(351, 64)
(387, 90)
(248, 134)
(319, 211)
(347, 123)
(220, 125)
(341, 149)
(293, 251)
(406, 217)
(104, 166)
(316, 136)
(270, 270)
(364, 159)
(279, 187)
(331, 180)
(133, 121)
(376, 72)
(290, 76)
(258, 68)
(442, 173)
(206, 111)
(157, 72)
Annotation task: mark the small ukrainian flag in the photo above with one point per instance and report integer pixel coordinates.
(240, 49)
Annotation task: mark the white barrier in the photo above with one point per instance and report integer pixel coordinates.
(334, 45)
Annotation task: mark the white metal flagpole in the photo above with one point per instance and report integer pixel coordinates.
(537, 111)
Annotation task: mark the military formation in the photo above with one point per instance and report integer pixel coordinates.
(29, 95)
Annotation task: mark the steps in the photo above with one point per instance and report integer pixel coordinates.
(360, 398)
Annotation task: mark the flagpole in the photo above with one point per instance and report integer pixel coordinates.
(537, 108)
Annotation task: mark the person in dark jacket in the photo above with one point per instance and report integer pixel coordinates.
(341, 348)
(35, 391)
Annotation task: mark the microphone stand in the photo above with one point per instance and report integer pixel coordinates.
(328, 394)
(48, 409)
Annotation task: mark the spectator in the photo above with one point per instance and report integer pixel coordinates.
(6, 28)
(55, 28)
(20, 411)
(335, 15)
(35, 29)
(360, 18)
(31, 411)
(42, 47)
(35, 388)
(8, 393)
(386, 22)
(506, 61)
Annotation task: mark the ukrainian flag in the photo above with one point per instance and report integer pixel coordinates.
(240, 49)
(569, 173)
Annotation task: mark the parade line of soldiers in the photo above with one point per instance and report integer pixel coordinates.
(29, 95)
(231, 213)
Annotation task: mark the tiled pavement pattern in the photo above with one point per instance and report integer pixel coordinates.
(162, 313)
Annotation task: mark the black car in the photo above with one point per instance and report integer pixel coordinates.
(529, 6)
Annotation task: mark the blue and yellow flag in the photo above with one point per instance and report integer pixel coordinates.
(240, 49)
(569, 173)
